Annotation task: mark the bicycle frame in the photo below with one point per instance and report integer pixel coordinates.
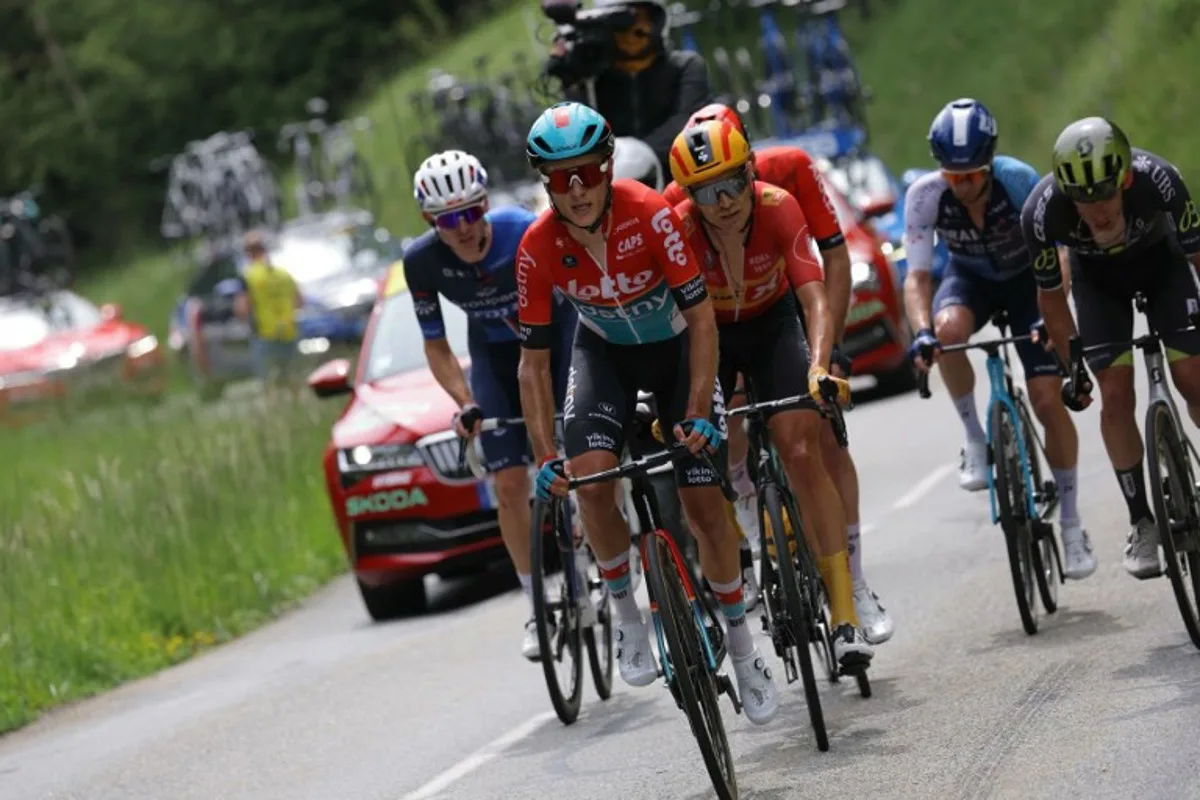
(1000, 377)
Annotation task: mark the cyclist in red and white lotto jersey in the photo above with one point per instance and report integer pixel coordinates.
(616, 250)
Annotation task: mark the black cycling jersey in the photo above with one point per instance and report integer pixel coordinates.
(1157, 205)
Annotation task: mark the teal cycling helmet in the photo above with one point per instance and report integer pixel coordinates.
(568, 130)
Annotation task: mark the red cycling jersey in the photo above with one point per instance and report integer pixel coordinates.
(791, 169)
(637, 296)
(779, 255)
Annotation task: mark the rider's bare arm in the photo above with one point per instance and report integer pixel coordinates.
(837, 286)
(820, 322)
(1048, 271)
(702, 357)
(447, 370)
(537, 401)
(920, 217)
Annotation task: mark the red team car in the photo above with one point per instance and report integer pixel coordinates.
(403, 506)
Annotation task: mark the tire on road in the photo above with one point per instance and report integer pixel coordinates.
(393, 600)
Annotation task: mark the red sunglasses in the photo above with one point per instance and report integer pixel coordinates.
(589, 176)
(449, 220)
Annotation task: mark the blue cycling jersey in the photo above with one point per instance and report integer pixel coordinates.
(998, 250)
(486, 291)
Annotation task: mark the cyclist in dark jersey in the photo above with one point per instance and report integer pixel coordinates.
(758, 260)
(1130, 224)
(974, 204)
(616, 249)
(793, 170)
(468, 258)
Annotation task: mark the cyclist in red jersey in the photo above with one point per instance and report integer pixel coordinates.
(791, 169)
(758, 259)
(616, 250)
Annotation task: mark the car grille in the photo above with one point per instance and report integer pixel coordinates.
(867, 339)
(440, 451)
(422, 536)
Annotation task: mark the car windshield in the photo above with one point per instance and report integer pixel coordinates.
(862, 178)
(314, 255)
(846, 216)
(25, 322)
(396, 344)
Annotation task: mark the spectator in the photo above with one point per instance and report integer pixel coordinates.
(269, 304)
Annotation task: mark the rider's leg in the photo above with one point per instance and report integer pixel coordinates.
(1043, 382)
(960, 307)
(877, 624)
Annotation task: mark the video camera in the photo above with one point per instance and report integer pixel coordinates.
(588, 36)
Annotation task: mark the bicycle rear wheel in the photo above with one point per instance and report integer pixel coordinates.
(1045, 549)
(796, 621)
(556, 614)
(1010, 499)
(1174, 492)
(696, 685)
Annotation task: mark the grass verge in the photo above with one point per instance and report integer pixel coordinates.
(128, 546)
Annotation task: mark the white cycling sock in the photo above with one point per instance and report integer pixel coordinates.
(854, 545)
(527, 587)
(1068, 485)
(965, 406)
(740, 479)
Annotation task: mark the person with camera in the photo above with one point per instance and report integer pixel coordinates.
(615, 57)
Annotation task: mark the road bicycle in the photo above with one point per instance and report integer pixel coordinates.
(1021, 499)
(795, 610)
(1172, 458)
(691, 640)
(570, 599)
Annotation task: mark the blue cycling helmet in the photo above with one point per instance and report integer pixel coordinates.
(568, 130)
(963, 136)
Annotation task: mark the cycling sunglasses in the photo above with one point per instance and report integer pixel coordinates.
(966, 176)
(589, 176)
(1097, 193)
(709, 194)
(449, 220)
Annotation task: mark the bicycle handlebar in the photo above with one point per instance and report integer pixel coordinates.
(643, 465)
(992, 346)
(833, 412)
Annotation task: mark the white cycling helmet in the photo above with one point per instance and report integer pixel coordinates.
(449, 180)
(633, 158)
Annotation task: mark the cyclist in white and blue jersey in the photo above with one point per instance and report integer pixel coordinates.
(974, 204)
(469, 258)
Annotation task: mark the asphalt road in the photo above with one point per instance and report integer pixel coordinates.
(1102, 703)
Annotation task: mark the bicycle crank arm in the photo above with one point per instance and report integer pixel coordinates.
(725, 685)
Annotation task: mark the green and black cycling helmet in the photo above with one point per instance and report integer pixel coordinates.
(1091, 160)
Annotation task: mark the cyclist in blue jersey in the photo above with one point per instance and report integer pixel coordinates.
(468, 258)
(974, 204)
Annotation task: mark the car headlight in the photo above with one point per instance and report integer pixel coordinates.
(378, 458)
(863, 275)
(141, 347)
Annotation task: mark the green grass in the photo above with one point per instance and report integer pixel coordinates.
(129, 545)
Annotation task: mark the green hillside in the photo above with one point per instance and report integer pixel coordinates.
(1037, 65)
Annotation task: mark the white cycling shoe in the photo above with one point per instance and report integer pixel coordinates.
(634, 656)
(1141, 551)
(876, 623)
(850, 649)
(756, 688)
(1077, 552)
(973, 471)
(530, 647)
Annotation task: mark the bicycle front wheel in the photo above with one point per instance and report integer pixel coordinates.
(556, 613)
(796, 621)
(1045, 545)
(695, 683)
(1014, 516)
(1174, 492)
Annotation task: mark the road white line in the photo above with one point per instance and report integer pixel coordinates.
(477, 759)
(923, 488)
